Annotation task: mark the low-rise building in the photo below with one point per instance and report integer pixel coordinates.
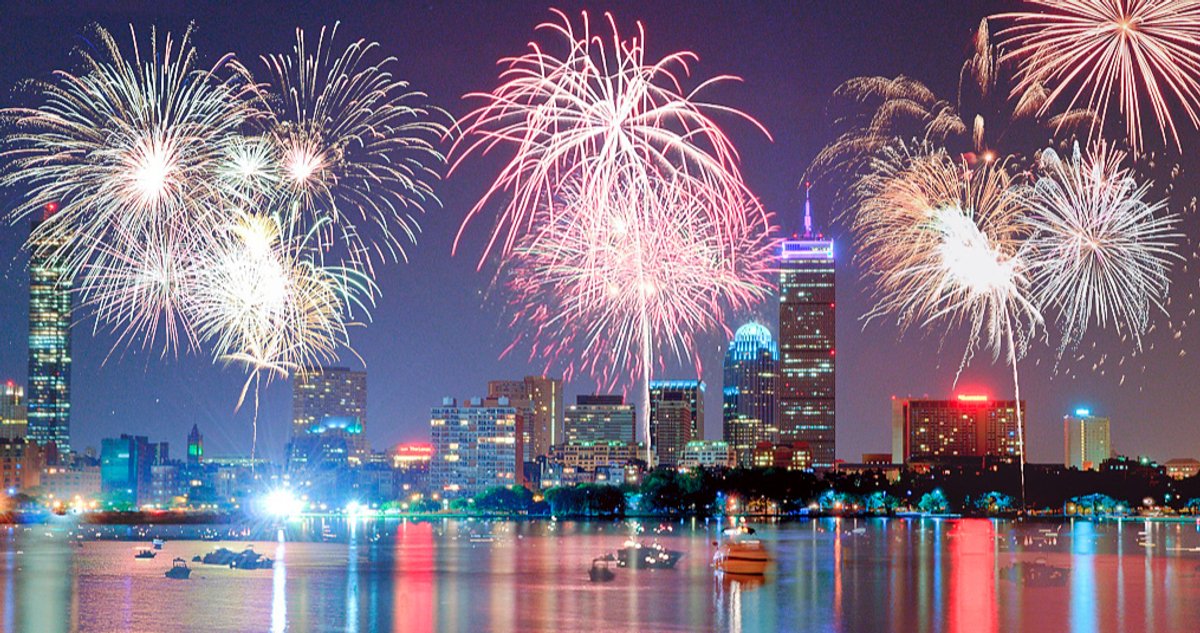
(792, 456)
(707, 454)
(1182, 468)
(81, 481)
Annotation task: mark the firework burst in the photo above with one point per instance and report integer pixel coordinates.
(197, 208)
(353, 144)
(1101, 251)
(123, 149)
(261, 298)
(598, 116)
(945, 244)
(616, 171)
(1092, 52)
(644, 276)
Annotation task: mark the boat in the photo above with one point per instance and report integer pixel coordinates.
(158, 543)
(600, 571)
(637, 555)
(741, 557)
(249, 559)
(1039, 573)
(179, 570)
(145, 552)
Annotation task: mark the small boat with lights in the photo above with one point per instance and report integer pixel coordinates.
(739, 555)
(637, 555)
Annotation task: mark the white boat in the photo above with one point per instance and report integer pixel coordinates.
(740, 555)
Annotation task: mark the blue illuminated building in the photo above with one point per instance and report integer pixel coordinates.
(750, 407)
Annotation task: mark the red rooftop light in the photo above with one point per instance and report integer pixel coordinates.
(969, 397)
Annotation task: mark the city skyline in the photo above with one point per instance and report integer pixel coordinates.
(136, 391)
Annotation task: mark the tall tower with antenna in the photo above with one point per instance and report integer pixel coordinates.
(807, 341)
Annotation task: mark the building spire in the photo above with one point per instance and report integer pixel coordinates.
(808, 230)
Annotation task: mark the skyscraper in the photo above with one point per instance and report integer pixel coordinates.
(750, 404)
(676, 417)
(807, 343)
(543, 398)
(330, 397)
(601, 418)
(1086, 440)
(969, 426)
(49, 402)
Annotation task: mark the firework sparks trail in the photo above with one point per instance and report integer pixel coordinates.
(259, 297)
(603, 142)
(353, 144)
(990, 120)
(1092, 52)
(1100, 251)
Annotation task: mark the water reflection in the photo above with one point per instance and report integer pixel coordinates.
(279, 587)
(972, 576)
(1083, 577)
(424, 576)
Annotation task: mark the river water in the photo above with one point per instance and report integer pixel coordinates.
(919, 575)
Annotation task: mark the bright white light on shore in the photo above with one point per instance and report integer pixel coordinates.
(282, 503)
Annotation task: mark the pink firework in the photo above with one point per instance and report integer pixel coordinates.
(595, 115)
(1092, 52)
(627, 227)
(622, 289)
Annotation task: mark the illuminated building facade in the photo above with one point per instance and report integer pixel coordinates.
(543, 397)
(20, 465)
(807, 343)
(1086, 440)
(13, 421)
(706, 454)
(476, 445)
(676, 417)
(794, 456)
(1182, 468)
(969, 426)
(601, 418)
(331, 393)
(49, 402)
(750, 403)
(586, 457)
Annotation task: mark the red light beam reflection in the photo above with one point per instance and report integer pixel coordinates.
(415, 579)
(972, 577)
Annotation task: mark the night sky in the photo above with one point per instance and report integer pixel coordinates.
(434, 332)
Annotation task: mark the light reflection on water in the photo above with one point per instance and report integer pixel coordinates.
(929, 576)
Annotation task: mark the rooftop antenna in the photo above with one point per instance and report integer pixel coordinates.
(808, 230)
